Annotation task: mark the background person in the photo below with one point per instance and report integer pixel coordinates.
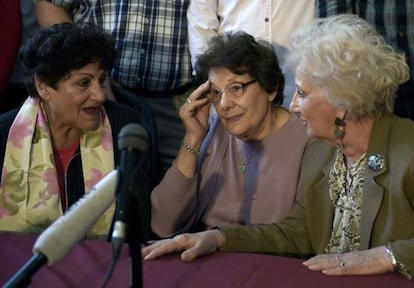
(249, 162)
(356, 211)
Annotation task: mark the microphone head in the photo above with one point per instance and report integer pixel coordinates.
(133, 136)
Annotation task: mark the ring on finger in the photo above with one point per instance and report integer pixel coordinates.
(341, 261)
(188, 100)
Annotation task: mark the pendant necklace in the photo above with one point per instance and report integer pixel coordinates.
(246, 152)
(242, 168)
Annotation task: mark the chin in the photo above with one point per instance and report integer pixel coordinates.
(90, 126)
(310, 132)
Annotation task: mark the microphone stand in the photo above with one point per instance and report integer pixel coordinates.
(129, 230)
(134, 241)
(23, 277)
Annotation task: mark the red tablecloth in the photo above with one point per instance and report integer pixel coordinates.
(87, 263)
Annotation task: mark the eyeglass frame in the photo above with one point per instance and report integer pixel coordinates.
(219, 92)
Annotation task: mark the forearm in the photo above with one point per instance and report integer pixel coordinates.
(48, 14)
(269, 238)
(187, 156)
(173, 203)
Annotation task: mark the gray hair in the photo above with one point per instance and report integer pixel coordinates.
(352, 64)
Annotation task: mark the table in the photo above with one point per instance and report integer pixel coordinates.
(87, 264)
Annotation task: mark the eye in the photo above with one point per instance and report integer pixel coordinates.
(102, 80)
(84, 82)
(300, 93)
(236, 89)
(215, 92)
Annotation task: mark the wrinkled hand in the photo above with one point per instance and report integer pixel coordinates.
(194, 245)
(366, 262)
(195, 112)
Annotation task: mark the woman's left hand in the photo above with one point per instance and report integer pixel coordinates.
(366, 262)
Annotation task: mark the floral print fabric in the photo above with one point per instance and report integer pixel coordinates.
(345, 190)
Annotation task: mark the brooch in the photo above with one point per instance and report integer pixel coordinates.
(376, 162)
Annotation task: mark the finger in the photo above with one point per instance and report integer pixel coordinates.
(150, 242)
(147, 249)
(194, 252)
(322, 262)
(334, 271)
(159, 249)
(167, 246)
(199, 94)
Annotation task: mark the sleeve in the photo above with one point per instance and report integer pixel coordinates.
(173, 203)
(403, 250)
(178, 202)
(289, 237)
(203, 23)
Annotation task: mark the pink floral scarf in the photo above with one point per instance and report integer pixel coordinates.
(29, 190)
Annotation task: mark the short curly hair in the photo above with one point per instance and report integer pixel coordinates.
(352, 64)
(52, 53)
(240, 53)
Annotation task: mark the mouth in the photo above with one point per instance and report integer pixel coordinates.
(304, 122)
(234, 118)
(92, 110)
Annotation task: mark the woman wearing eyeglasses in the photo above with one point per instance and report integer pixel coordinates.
(239, 162)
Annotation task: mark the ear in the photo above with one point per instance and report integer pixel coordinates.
(272, 96)
(42, 88)
(341, 114)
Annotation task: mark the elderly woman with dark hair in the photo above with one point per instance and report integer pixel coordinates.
(357, 208)
(62, 140)
(238, 165)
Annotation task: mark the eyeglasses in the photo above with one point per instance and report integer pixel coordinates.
(235, 90)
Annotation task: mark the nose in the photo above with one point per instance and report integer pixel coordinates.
(294, 104)
(225, 100)
(100, 92)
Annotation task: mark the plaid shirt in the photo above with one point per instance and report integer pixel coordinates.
(394, 19)
(151, 39)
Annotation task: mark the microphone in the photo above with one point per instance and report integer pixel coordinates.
(63, 234)
(133, 147)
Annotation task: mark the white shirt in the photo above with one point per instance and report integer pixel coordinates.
(270, 20)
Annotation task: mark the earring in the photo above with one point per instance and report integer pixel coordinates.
(340, 130)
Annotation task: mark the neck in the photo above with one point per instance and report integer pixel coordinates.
(356, 140)
(62, 135)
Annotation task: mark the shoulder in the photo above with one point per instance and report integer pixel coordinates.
(402, 127)
(6, 119)
(318, 153)
(295, 125)
(400, 141)
(120, 115)
(393, 133)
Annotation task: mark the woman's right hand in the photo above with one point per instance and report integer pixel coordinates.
(194, 245)
(195, 112)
